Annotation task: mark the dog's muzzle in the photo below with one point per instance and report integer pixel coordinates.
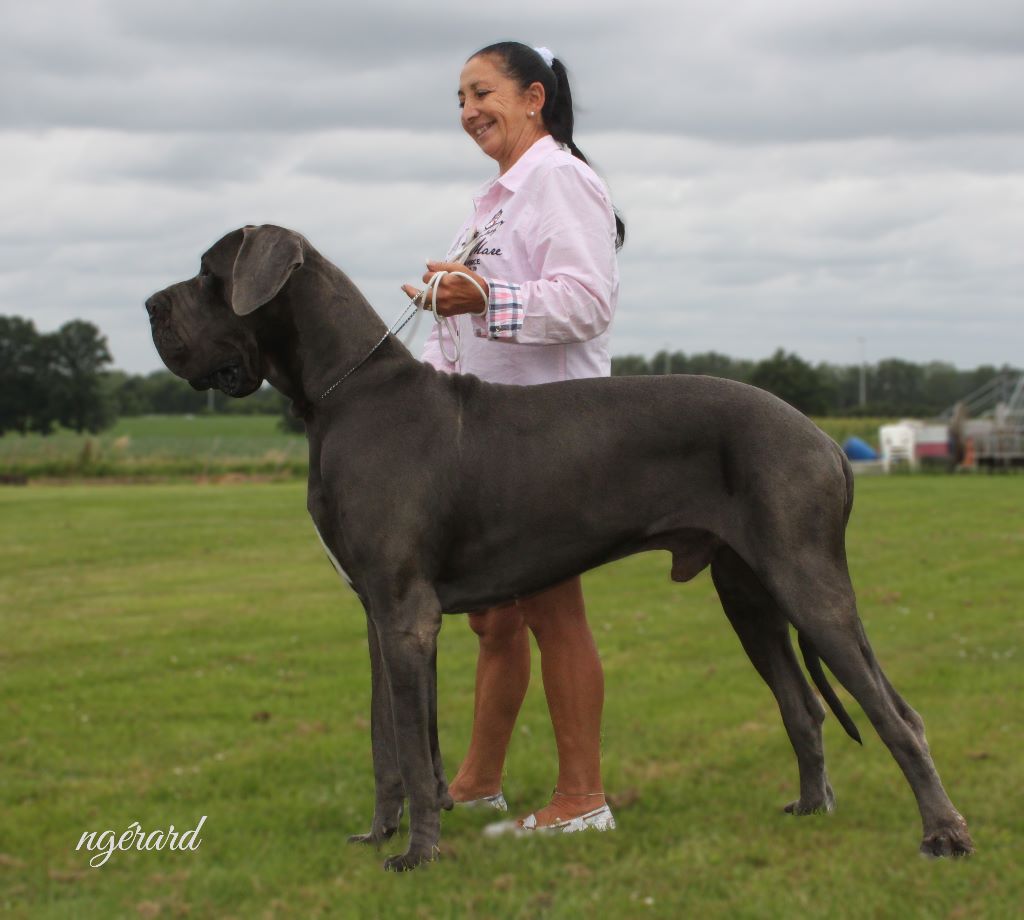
(227, 379)
(168, 343)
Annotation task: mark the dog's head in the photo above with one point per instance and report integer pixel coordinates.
(199, 326)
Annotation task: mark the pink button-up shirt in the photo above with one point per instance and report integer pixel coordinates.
(547, 250)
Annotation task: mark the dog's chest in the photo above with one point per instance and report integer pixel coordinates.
(332, 557)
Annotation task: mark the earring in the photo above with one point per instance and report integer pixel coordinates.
(532, 114)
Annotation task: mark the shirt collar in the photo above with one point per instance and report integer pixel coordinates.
(522, 167)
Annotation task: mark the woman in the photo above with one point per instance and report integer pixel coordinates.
(536, 308)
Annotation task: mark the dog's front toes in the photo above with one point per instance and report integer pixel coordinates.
(376, 835)
(410, 860)
(953, 840)
(373, 837)
(386, 819)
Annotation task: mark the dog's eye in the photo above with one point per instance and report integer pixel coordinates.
(214, 285)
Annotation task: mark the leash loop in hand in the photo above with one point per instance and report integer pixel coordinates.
(445, 321)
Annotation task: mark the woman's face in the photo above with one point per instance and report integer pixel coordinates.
(495, 112)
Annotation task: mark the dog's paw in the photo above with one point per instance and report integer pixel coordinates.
(386, 819)
(376, 836)
(408, 861)
(821, 805)
(950, 840)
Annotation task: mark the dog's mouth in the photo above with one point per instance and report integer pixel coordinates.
(229, 379)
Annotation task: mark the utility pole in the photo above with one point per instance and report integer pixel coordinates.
(863, 374)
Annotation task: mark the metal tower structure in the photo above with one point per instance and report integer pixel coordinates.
(988, 424)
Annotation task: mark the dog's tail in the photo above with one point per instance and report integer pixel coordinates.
(813, 663)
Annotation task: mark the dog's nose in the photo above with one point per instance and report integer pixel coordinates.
(156, 306)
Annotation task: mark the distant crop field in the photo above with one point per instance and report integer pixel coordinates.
(160, 446)
(208, 446)
(180, 650)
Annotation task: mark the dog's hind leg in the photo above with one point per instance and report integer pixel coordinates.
(817, 597)
(443, 796)
(764, 633)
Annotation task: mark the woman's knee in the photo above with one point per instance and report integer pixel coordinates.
(498, 625)
(557, 611)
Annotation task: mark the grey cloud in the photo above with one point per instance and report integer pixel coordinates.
(200, 161)
(762, 74)
(881, 28)
(391, 156)
(256, 65)
(344, 36)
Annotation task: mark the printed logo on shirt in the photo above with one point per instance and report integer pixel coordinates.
(481, 248)
(493, 223)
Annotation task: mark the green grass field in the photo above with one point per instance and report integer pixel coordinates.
(206, 446)
(181, 650)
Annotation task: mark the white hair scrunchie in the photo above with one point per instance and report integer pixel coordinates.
(546, 55)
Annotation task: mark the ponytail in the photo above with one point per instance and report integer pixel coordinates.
(525, 65)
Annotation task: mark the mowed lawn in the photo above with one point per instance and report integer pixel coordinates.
(174, 651)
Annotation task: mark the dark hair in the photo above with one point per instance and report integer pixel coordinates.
(523, 64)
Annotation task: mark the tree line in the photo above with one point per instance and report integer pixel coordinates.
(889, 388)
(64, 379)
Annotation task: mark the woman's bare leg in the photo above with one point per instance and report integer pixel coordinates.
(574, 687)
(502, 676)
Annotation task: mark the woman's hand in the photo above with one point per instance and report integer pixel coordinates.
(455, 295)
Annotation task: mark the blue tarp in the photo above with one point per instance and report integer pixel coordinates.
(856, 449)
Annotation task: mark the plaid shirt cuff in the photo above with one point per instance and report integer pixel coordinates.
(504, 318)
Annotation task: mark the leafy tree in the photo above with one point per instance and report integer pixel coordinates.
(77, 354)
(630, 366)
(791, 378)
(714, 364)
(127, 393)
(899, 388)
(942, 384)
(844, 383)
(166, 394)
(665, 363)
(711, 363)
(25, 403)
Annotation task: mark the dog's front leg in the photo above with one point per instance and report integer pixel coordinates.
(407, 627)
(389, 791)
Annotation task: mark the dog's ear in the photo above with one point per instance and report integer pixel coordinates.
(265, 261)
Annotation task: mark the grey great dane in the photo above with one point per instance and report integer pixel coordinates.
(438, 493)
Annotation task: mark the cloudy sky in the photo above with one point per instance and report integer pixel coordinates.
(820, 175)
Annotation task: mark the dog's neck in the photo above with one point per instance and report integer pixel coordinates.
(321, 328)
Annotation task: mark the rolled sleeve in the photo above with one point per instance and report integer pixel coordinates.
(504, 317)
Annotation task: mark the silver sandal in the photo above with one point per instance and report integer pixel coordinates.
(600, 819)
(496, 801)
